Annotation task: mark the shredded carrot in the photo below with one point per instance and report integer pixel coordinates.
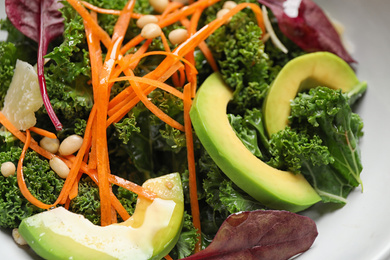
(22, 137)
(173, 55)
(43, 132)
(100, 10)
(191, 164)
(179, 65)
(151, 82)
(95, 51)
(152, 107)
(132, 187)
(75, 188)
(105, 38)
(168, 257)
(172, 6)
(21, 182)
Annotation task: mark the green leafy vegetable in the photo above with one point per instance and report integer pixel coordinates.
(322, 143)
(7, 66)
(42, 182)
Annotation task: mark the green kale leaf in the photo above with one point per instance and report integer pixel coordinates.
(328, 113)
(42, 182)
(321, 143)
(7, 66)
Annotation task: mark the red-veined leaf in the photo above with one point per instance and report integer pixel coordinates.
(261, 234)
(310, 29)
(41, 21)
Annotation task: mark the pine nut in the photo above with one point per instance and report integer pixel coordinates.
(70, 145)
(144, 20)
(18, 238)
(50, 144)
(150, 31)
(159, 5)
(59, 167)
(229, 5)
(178, 36)
(8, 169)
(222, 12)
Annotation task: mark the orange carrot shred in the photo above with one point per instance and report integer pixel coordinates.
(20, 177)
(43, 132)
(152, 107)
(191, 164)
(100, 10)
(156, 83)
(105, 38)
(168, 257)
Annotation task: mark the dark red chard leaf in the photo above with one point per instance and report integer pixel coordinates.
(261, 234)
(41, 21)
(311, 29)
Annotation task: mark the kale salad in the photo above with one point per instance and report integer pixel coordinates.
(189, 124)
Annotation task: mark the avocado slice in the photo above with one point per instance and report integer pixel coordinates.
(150, 233)
(304, 72)
(272, 187)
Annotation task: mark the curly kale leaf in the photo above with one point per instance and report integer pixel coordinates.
(221, 193)
(126, 128)
(290, 149)
(7, 66)
(87, 202)
(7, 139)
(299, 152)
(328, 113)
(243, 63)
(250, 130)
(322, 143)
(247, 135)
(42, 182)
(185, 246)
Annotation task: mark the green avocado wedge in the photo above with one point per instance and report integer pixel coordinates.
(302, 73)
(150, 233)
(274, 188)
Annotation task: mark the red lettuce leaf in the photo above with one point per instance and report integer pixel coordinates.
(41, 21)
(261, 234)
(311, 29)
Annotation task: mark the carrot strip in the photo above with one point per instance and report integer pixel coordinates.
(75, 188)
(172, 6)
(101, 101)
(174, 56)
(33, 144)
(119, 207)
(152, 107)
(123, 21)
(95, 52)
(169, 67)
(43, 132)
(116, 180)
(155, 83)
(72, 178)
(168, 257)
(186, 11)
(194, 40)
(139, 190)
(20, 177)
(208, 55)
(191, 164)
(172, 18)
(100, 10)
(165, 42)
(102, 35)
